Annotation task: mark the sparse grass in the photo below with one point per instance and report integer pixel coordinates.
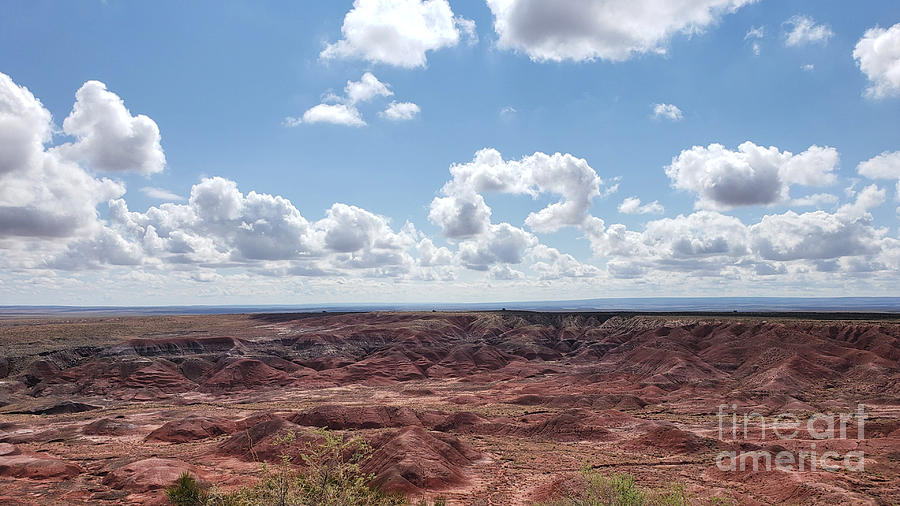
(621, 490)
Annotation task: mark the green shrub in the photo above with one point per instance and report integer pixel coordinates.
(186, 492)
(329, 475)
(621, 490)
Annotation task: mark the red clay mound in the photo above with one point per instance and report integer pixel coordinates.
(467, 359)
(356, 417)
(245, 373)
(40, 371)
(148, 474)
(531, 400)
(191, 428)
(379, 368)
(777, 487)
(51, 435)
(37, 468)
(572, 425)
(258, 442)
(795, 375)
(159, 376)
(669, 439)
(194, 368)
(463, 421)
(414, 459)
(108, 427)
(8, 449)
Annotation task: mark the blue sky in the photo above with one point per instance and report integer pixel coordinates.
(219, 79)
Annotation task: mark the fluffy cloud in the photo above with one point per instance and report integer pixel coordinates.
(703, 241)
(553, 264)
(398, 32)
(102, 249)
(667, 111)
(612, 30)
(367, 88)
(878, 57)
(632, 205)
(400, 111)
(820, 235)
(337, 114)
(499, 244)
(218, 225)
(884, 166)
(804, 30)
(710, 243)
(24, 127)
(462, 209)
(221, 226)
(344, 112)
(752, 175)
(700, 234)
(431, 255)
(461, 215)
(108, 137)
(349, 229)
(43, 194)
(504, 272)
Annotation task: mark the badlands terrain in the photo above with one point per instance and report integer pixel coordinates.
(490, 408)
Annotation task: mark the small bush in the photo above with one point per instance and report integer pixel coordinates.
(186, 492)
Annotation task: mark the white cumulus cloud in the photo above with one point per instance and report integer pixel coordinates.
(613, 30)
(108, 137)
(752, 175)
(367, 88)
(667, 111)
(878, 55)
(336, 114)
(632, 205)
(560, 174)
(344, 111)
(398, 32)
(44, 194)
(820, 235)
(400, 111)
(884, 166)
(500, 244)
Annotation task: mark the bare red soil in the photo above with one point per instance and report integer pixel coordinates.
(482, 408)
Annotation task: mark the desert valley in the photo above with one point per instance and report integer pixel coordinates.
(498, 408)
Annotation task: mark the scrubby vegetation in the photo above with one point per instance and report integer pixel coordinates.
(621, 490)
(328, 474)
(187, 492)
